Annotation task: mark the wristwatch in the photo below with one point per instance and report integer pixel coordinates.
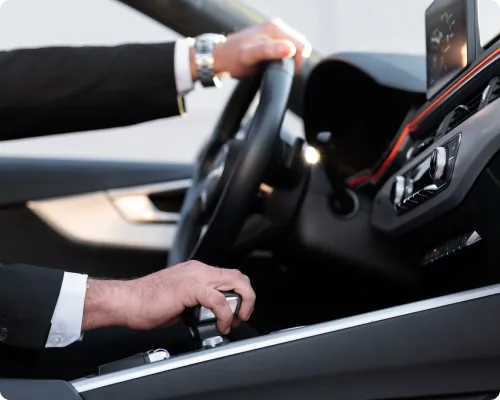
(204, 46)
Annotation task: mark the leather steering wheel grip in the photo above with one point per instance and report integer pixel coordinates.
(247, 172)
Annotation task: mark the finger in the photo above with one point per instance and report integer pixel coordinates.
(236, 322)
(275, 49)
(281, 30)
(232, 279)
(215, 301)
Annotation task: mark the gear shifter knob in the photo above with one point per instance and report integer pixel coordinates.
(203, 322)
(200, 315)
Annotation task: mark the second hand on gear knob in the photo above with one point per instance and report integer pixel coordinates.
(203, 322)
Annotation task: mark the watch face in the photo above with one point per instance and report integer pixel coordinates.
(204, 58)
(211, 37)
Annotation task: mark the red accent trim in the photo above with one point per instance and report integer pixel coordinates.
(411, 126)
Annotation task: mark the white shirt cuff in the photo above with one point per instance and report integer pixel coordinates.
(183, 79)
(68, 314)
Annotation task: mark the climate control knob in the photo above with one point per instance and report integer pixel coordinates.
(399, 190)
(438, 163)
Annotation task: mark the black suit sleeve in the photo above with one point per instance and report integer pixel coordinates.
(71, 89)
(28, 297)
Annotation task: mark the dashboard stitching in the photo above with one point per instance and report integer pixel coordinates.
(412, 125)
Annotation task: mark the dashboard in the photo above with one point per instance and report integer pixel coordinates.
(427, 159)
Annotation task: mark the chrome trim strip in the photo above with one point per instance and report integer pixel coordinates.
(87, 384)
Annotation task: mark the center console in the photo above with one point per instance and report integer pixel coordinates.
(427, 179)
(445, 179)
(355, 358)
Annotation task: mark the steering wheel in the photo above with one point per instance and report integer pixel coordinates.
(228, 171)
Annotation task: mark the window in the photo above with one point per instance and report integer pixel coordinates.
(36, 23)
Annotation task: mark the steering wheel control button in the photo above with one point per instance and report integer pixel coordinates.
(438, 163)
(4, 334)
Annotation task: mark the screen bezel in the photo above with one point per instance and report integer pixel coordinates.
(472, 35)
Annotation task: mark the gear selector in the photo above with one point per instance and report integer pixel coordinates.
(203, 323)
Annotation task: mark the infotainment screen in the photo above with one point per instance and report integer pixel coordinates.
(451, 37)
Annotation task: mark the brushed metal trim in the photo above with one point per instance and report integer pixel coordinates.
(136, 206)
(88, 384)
(93, 219)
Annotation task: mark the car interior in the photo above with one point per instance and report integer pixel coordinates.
(371, 242)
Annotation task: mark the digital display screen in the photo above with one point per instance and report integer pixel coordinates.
(446, 37)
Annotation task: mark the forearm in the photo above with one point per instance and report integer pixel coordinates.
(106, 304)
(58, 90)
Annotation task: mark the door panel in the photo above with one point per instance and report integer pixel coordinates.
(25, 179)
(106, 219)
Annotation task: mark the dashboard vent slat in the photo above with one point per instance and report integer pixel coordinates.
(495, 92)
(465, 111)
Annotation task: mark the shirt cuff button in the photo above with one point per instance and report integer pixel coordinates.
(56, 339)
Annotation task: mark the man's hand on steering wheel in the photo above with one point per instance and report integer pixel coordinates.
(160, 298)
(245, 50)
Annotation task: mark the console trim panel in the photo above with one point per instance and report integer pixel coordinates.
(480, 141)
(283, 337)
(358, 180)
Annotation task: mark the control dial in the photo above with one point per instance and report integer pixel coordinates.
(438, 163)
(399, 190)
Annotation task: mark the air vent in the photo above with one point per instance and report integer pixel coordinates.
(495, 91)
(464, 111)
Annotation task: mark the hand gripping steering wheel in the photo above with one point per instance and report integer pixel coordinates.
(228, 171)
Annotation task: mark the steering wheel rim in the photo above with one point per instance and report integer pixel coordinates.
(232, 178)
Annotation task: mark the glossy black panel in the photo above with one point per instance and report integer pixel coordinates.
(39, 390)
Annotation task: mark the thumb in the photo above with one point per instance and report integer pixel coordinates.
(274, 49)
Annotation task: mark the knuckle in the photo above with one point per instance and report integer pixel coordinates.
(219, 299)
(273, 23)
(269, 49)
(235, 273)
(251, 297)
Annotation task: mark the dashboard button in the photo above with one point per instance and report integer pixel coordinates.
(438, 163)
(408, 188)
(399, 189)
